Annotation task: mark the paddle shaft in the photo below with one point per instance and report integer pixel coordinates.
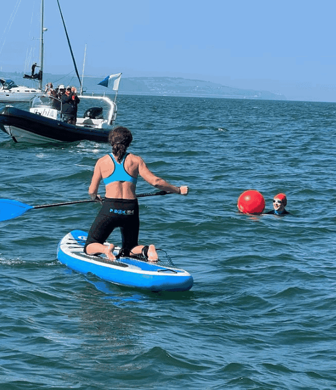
(43, 206)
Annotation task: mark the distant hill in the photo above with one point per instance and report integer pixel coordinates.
(157, 86)
(175, 86)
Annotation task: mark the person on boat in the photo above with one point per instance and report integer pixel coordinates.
(48, 88)
(279, 204)
(55, 99)
(60, 91)
(75, 101)
(69, 101)
(119, 171)
(33, 69)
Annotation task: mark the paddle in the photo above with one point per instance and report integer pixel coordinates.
(10, 209)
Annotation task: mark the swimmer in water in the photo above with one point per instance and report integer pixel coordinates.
(279, 204)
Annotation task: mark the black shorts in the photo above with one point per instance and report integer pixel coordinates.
(123, 213)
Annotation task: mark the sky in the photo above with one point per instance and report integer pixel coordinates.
(285, 46)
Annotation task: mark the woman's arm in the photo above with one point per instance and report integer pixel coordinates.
(96, 177)
(157, 182)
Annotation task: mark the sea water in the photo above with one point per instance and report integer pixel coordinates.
(262, 311)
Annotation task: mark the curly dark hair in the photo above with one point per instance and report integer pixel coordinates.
(120, 139)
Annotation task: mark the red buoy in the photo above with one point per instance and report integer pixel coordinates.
(251, 202)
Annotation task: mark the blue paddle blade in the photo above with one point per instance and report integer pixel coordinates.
(12, 208)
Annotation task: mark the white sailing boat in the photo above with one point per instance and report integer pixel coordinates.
(11, 93)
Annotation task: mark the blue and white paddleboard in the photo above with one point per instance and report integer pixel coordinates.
(125, 271)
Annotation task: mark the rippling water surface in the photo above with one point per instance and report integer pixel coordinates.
(261, 313)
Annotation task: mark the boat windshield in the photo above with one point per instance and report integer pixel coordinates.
(43, 101)
(7, 83)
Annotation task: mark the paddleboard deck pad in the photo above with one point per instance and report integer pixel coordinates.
(125, 271)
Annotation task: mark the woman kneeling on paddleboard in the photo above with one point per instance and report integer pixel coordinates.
(119, 171)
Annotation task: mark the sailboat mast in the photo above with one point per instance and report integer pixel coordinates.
(81, 87)
(71, 52)
(41, 44)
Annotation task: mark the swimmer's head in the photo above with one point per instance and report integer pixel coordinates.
(282, 198)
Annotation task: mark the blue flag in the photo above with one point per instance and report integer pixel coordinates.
(104, 82)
